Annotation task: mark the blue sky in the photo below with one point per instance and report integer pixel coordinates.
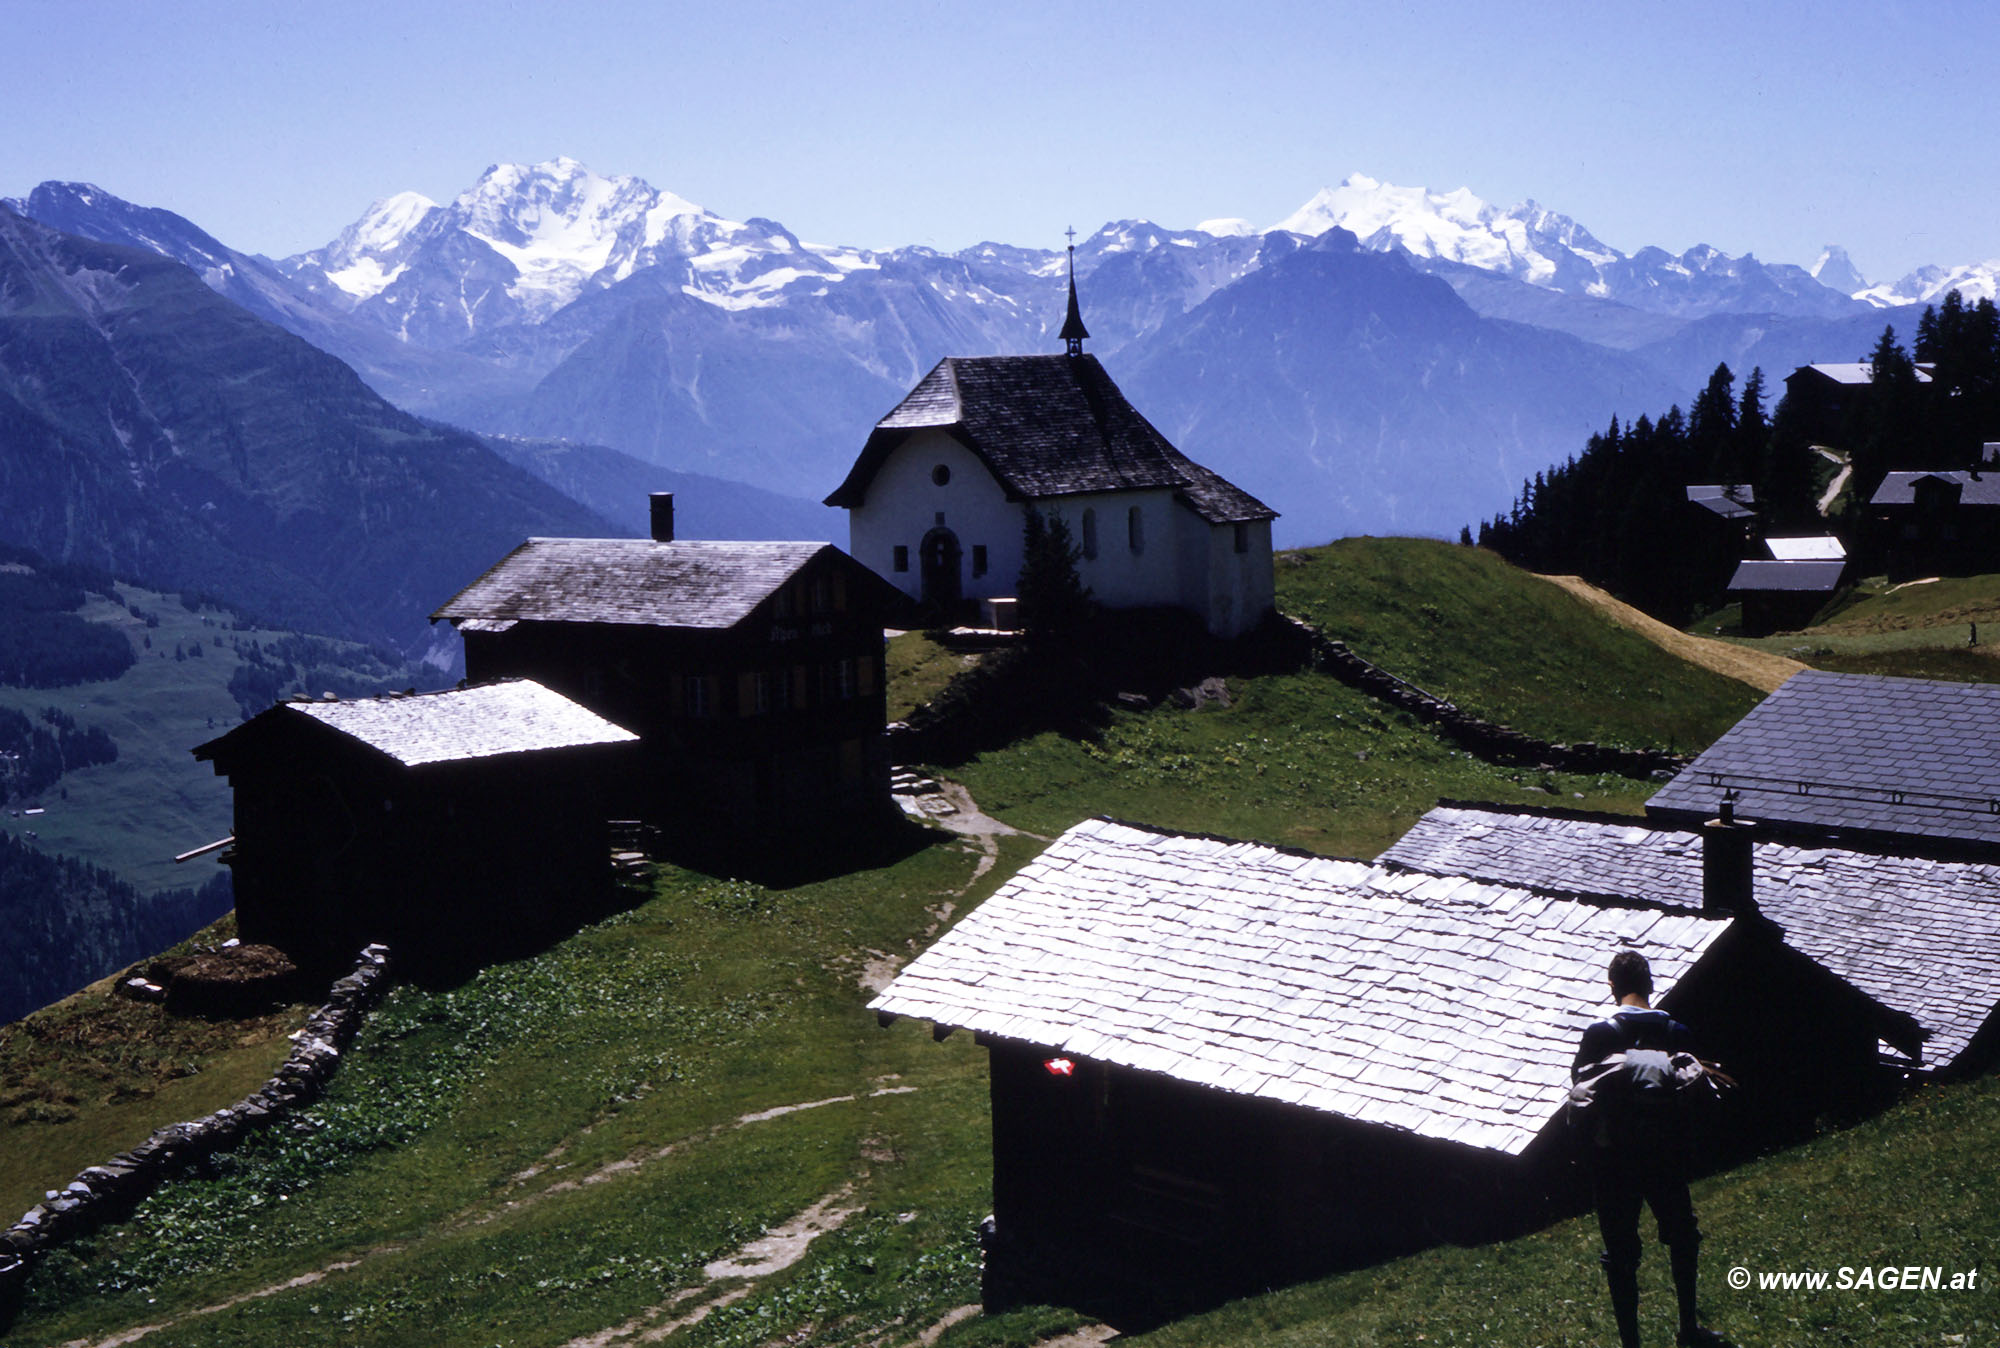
(1771, 131)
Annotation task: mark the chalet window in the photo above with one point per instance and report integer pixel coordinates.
(941, 474)
(822, 594)
(770, 690)
(1135, 529)
(836, 681)
(698, 696)
(783, 603)
(1242, 537)
(1090, 535)
(864, 675)
(839, 593)
(978, 559)
(902, 557)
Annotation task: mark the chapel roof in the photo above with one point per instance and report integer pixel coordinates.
(1047, 426)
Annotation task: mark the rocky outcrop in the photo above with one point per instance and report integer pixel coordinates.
(107, 1192)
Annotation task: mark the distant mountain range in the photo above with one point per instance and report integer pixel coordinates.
(1384, 359)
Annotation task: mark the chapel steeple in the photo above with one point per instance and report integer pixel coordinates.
(1073, 331)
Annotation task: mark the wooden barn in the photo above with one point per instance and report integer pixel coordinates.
(452, 826)
(1783, 596)
(1945, 522)
(752, 672)
(1218, 1066)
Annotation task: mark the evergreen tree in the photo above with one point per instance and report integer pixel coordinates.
(1711, 429)
(1891, 428)
(1055, 603)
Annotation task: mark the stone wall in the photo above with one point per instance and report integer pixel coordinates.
(1494, 743)
(108, 1192)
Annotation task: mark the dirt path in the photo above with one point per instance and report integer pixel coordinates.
(1760, 669)
(777, 1249)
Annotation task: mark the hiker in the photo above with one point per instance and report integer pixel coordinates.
(1636, 1143)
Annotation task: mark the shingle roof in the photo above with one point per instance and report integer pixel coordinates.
(1862, 752)
(1755, 573)
(1731, 500)
(1919, 936)
(512, 716)
(1812, 548)
(696, 583)
(1442, 1007)
(1047, 426)
(1853, 372)
(1900, 488)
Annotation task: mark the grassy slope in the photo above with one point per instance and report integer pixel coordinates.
(1467, 626)
(1918, 630)
(133, 816)
(446, 1158)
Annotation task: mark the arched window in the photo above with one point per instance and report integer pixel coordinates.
(1090, 535)
(1135, 529)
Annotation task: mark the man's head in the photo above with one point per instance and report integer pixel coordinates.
(1629, 974)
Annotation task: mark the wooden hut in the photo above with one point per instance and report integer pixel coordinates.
(452, 826)
(1218, 1066)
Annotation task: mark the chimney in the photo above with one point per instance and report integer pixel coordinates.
(663, 517)
(1726, 886)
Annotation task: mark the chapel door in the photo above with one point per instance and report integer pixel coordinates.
(940, 555)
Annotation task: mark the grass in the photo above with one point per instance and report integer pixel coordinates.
(447, 1156)
(134, 816)
(1464, 624)
(95, 1073)
(1298, 760)
(1911, 1187)
(1916, 630)
(919, 669)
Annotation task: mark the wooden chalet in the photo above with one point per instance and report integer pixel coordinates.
(751, 672)
(452, 826)
(1218, 1066)
(1783, 596)
(1829, 398)
(1908, 767)
(1938, 523)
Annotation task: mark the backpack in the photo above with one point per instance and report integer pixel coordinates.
(1641, 1092)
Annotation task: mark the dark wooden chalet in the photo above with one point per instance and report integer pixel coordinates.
(1783, 596)
(1938, 523)
(1904, 766)
(1217, 1066)
(1829, 398)
(452, 826)
(752, 672)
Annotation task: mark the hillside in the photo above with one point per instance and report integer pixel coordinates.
(696, 1085)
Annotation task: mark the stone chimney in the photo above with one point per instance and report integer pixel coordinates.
(1726, 864)
(663, 517)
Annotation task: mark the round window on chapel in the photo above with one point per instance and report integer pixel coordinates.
(940, 475)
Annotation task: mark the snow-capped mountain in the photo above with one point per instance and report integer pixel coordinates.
(1540, 247)
(1927, 285)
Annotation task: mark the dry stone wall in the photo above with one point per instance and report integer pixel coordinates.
(105, 1193)
(1495, 743)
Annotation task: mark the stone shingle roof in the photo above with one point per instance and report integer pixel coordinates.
(1441, 1007)
(1974, 489)
(1860, 752)
(1811, 548)
(1758, 574)
(512, 716)
(1731, 500)
(1853, 373)
(1047, 426)
(1919, 936)
(695, 583)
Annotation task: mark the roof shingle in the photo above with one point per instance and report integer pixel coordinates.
(694, 583)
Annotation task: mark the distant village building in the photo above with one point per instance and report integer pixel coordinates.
(452, 826)
(1910, 766)
(1827, 398)
(935, 501)
(1217, 1066)
(1732, 501)
(1783, 596)
(1806, 548)
(1938, 523)
(751, 672)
